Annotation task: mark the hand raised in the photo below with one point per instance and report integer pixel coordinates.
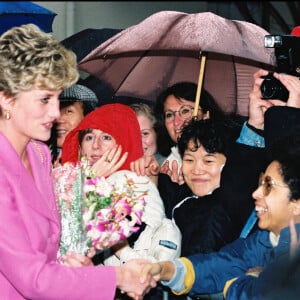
(257, 105)
(110, 162)
(146, 165)
(175, 174)
(292, 83)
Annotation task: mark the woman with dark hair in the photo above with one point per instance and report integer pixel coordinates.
(275, 120)
(174, 109)
(214, 213)
(244, 269)
(246, 158)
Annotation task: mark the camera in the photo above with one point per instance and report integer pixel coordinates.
(287, 52)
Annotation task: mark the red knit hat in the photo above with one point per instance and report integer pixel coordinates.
(118, 120)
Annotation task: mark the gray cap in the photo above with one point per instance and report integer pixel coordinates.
(81, 93)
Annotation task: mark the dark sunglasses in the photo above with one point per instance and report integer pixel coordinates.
(268, 183)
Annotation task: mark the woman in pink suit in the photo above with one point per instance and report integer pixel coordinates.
(34, 69)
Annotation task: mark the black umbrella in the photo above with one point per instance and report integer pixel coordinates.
(83, 42)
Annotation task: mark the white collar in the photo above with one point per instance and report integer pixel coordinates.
(274, 239)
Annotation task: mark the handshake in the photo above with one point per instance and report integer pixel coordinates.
(137, 277)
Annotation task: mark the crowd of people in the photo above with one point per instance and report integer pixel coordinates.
(203, 177)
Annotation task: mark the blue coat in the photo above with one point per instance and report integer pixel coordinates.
(213, 270)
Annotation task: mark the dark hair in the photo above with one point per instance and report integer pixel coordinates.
(182, 90)
(187, 90)
(286, 151)
(87, 107)
(82, 133)
(207, 133)
(52, 142)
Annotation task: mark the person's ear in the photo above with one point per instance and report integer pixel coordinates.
(5, 101)
(6, 104)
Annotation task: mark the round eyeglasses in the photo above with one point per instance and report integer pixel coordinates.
(185, 112)
(268, 183)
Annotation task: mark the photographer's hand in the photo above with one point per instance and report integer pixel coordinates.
(292, 83)
(257, 105)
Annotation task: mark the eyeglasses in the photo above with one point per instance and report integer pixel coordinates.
(185, 112)
(267, 184)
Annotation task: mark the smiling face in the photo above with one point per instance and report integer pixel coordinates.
(70, 117)
(32, 115)
(95, 143)
(275, 209)
(148, 135)
(202, 170)
(174, 127)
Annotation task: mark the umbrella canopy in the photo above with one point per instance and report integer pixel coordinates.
(166, 48)
(84, 41)
(16, 13)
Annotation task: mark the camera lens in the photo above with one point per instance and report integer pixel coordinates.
(272, 88)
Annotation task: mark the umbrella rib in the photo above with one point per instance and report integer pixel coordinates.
(235, 85)
(164, 49)
(132, 67)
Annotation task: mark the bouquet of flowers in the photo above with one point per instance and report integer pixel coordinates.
(95, 211)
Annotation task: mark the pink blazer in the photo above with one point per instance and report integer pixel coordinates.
(29, 236)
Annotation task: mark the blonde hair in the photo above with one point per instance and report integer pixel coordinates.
(146, 110)
(31, 58)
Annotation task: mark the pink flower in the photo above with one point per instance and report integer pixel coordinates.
(95, 211)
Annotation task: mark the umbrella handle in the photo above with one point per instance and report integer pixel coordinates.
(199, 87)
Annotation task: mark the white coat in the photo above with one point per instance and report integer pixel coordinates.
(161, 238)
